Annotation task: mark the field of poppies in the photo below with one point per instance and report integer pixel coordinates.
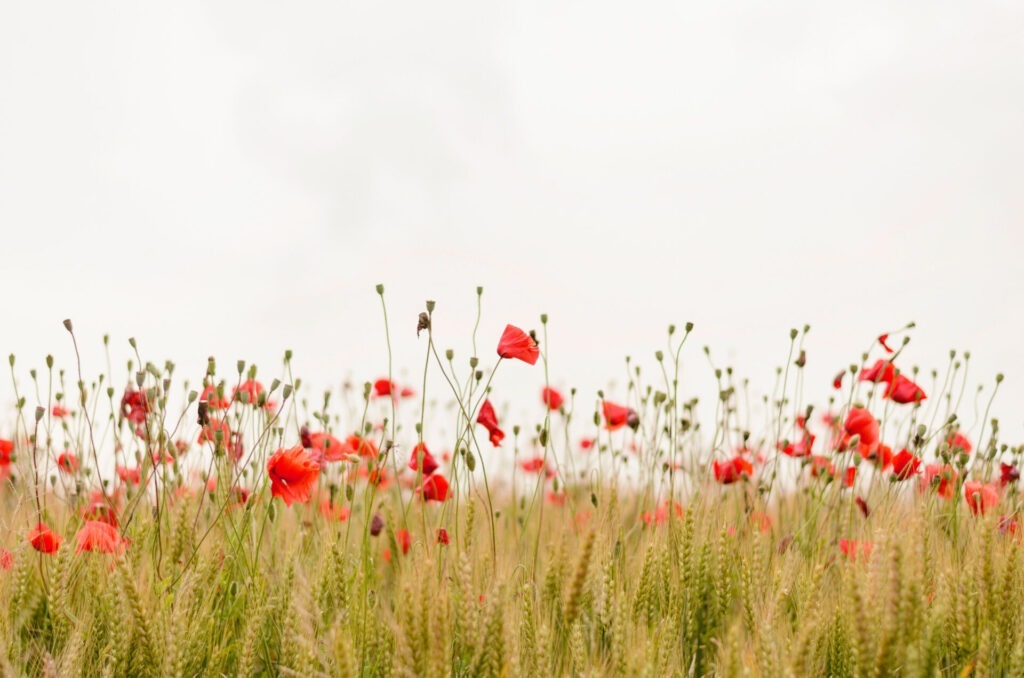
(227, 525)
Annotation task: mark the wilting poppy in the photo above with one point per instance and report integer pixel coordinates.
(428, 464)
(515, 343)
(732, 470)
(942, 477)
(902, 390)
(980, 497)
(293, 473)
(434, 488)
(617, 416)
(905, 465)
(99, 537)
(489, 420)
(67, 462)
(376, 524)
(43, 539)
(552, 398)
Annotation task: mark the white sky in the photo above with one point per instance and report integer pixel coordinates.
(233, 178)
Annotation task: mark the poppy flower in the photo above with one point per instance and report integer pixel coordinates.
(43, 539)
(442, 537)
(67, 462)
(980, 497)
(383, 387)
(406, 392)
(883, 339)
(732, 470)
(60, 412)
(404, 540)
(6, 560)
(532, 465)
(902, 390)
(586, 443)
(1007, 525)
(328, 448)
(762, 521)
(822, 467)
(293, 473)
(241, 495)
(213, 399)
(208, 433)
(556, 498)
(617, 416)
(552, 398)
(134, 406)
(1008, 474)
(959, 441)
(942, 477)
(799, 448)
(860, 422)
(128, 475)
(661, 515)
(364, 447)
(428, 464)
(252, 390)
(881, 371)
(333, 510)
(905, 465)
(434, 488)
(851, 548)
(850, 476)
(489, 420)
(99, 537)
(515, 343)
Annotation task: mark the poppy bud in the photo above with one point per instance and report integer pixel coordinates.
(376, 524)
(659, 356)
(633, 420)
(272, 512)
(211, 366)
(470, 461)
(802, 359)
(67, 325)
(10, 359)
(380, 289)
(40, 411)
(793, 333)
(689, 327)
(449, 353)
(543, 318)
(287, 390)
(671, 330)
(473, 362)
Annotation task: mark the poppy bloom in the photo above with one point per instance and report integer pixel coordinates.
(333, 510)
(99, 537)
(532, 465)
(6, 560)
(860, 422)
(850, 476)
(552, 398)
(958, 441)
(617, 416)
(442, 537)
(404, 540)
(661, 515)
(489, 420)
(515, 343)
(364, 447)
(902, 390)
(881, 371)
(383, 387)
(128, 475)
(821, 467)
(762, 521)
(293, 473)
(942, 477)
(732, 470)
(328, 448)
(1008, 474)
(60, 412)
(851, 547)
(905, 465)
(208, 434)
(213, 399)
(252, 390)
(556, 498)
(434, 488)
(863, 506)
(134, 406)
(586, 443)
(799, 448)
(980, 497)
(406, 392)
(428, 464)
(43, 539)
(67, 462)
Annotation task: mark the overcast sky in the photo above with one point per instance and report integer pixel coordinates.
(233, 178)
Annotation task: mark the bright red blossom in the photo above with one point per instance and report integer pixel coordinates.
(552, 398)
(902, 390)
(980, 497)
(43, 539)
(434, 488)
(942, 477)
(293, 473)
(617, 416)
(99, 537)
(905, 465)
(515, 343)
(489, 420)
(732, 470)
(422, 460)
(67, 462)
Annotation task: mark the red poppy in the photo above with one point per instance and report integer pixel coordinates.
(134, 406)
(364, 447)
(980, 496)
(208, 433)
(860, 422)
(241, 495)
(442, 537)
(334, 510)
(515, 343)
(851, 548)
(762, 521)
(586, 443)
(406, 392)
(67, 462)
(428, 465)
(99, 537)
(434, 488)
(60, 412)
(403, 539)
(881, 371)
(837, 381)
(6, 448)
(43, 539)
(822, 467)
(1008, 474)
(942, 477)
(905, 465)
(293, 473)
(732, 470)
(617, 416)
(6, 560)
(489, 420)
(902, 390)
(252, 390)
(383, 387)
(1009, 525)
(552, 398)
(850, 476)
(213, 399)
(863, 506)
(661, 515)
(328, 448)
(532, 465)
(128, 475)
(556, 498)
(958, 441)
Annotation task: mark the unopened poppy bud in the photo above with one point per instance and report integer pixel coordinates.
(688, 327)
(380, 289)
(49, 362)
(479, 290)
(32, 373)
(633, 420)
(10, 360)
(274, 385)
(286, 391)
(999, 378)
(801, 360)
(110, 391)
(543, 437)
(430, 305)
(793, 333)
(449, 353)
(470, 461)
(479, 375)
(376, 524)
(515, 429)
(67, 325)
(272, 512)
(350, 492)
(854, 442)
(211, 366)
(659, 356)
(473, 362)
(241, 366)
(597, 419)
(40, 411)
(140, 379)
(671, 330)
(543, 318)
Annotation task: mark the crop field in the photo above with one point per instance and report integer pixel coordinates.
(239, 522)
